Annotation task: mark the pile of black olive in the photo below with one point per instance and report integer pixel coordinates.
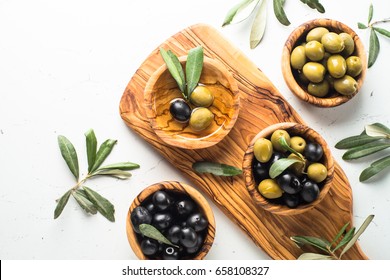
(178, 218)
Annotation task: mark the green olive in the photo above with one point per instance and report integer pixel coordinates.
(270, 189)
(314, 71)
(298, 143)
(316, 34)
(314, 50)
(263, 150)
(332, 42)
(320, 89)
(202, 97)
(298, 57)
(349, 44)
(201, 118)
(337, 67)
(354, 66)
(276, 135)
(299, 167)
(317, 172)
(346, 85)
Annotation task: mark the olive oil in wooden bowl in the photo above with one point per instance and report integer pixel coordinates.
(298, 188)
(161, 89)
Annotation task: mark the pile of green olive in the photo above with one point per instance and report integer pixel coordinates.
(301, 182)
(325, 62)
(197, 113)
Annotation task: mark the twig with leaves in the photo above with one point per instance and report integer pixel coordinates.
(374, 46)
(89, 200)
(342, 239)
(245, 8)
(374, 138)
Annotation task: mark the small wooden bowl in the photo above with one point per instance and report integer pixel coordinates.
(179, 187)
(293, 129)
(290, 75)
(161, 89)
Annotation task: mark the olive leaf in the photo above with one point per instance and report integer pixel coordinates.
(279, 12)
(103, 152)
(347, 237)
(377, 130)
(362, 25)
(121, 166)
(194, 67)
(240, 12)
(314, 4)
(364, 150)
(313, 241)
(382, 31)
(287, 147)
(374, 168)
(258, 26)
(355, 141)
(281, 165)
(61, 204)
(339, 234)
(103, 205)
(175, 69)
(314, 256)
(117, 173)
(152, 232)
(91, 143)
(84, 202)
(69, 154)
(373, 48)
(370, 13)
(218, 169)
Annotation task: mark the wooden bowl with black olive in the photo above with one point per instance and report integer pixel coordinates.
(176, 211)
(288, 177)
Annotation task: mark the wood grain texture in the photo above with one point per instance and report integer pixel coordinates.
(260, 106)
(179, 187)
(297, 37)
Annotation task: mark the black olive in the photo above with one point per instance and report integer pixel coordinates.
(151, 208)
(291, 200)
(197, 221)
(149, 246)
(289, 182)
(180, 110)
(188, 237)
(185, 207)
(170, 253)
(195, 249)
(260, 171)
(313, 152)
(162, 220)
(161, 200)
(275, 157)
(173, 234)
(140, 215)
(310, 191)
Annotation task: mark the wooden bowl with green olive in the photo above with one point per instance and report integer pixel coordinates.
(324, 62)
(288, 176)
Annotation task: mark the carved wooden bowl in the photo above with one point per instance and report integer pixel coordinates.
(291, 75)
(197, 197)
(161, 89)
(294, 129)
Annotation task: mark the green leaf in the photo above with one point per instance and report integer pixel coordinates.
(194, 67)
(84, 202)
(373, 48)
(91, 143)
(287, 147)
(357, 234)
(175, 68)
(218, 169)
(377, 130)
(244, 8)
(104, 206)
(279, 12)
(61, 204)
(117, 173)
(338, 235)
(374, 169)
(310, 240)
(382, 31)
(347, 237)
(103, 152)
(314, 4)
(355, 141)
(370, 13)
(121, 166)
(69, 154)
(314, 256)
(280, 165)
(152, 232)
(364, 150)
(258, 26)
(362, 25)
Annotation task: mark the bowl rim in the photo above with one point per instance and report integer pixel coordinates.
(251, 185)
(192, 143)
(289, 78)
(172, 186)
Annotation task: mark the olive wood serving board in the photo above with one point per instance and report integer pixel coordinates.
(261, 105)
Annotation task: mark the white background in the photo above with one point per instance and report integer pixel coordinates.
(63, 68)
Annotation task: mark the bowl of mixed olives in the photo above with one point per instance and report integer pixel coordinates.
(170, 221)
(288, 168)
(324, 62)
(201, 120)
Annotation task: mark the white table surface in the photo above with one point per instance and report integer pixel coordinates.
(63, 68)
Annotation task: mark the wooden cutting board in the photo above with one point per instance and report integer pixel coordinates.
(260, 106)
